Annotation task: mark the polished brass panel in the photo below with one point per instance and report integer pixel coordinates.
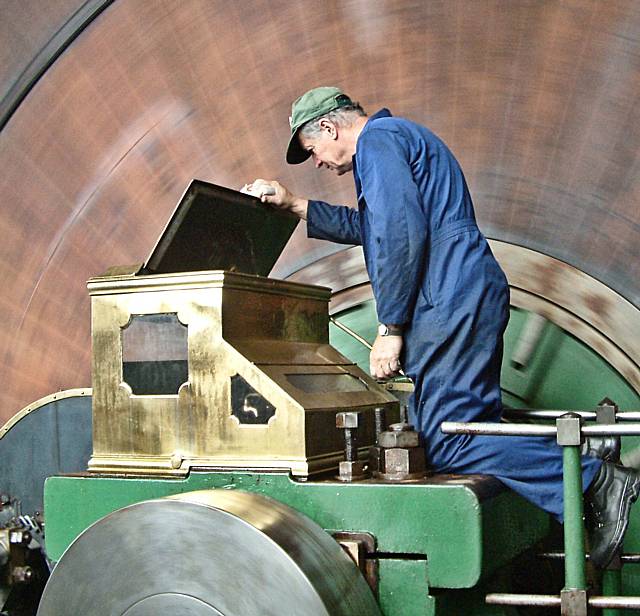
(272, 334)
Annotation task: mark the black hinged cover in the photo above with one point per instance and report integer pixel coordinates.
(216, 228)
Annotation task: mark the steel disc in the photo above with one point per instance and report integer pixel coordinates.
(207, 553)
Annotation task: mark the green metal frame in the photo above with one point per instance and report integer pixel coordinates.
(441, 535)
(612, 586)
(575, 576)
(437, 543)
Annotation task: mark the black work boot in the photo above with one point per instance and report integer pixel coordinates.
(609, 499)
(606, 448)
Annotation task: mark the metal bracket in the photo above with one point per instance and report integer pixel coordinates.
(361, 547)
(569, 430)
(573, 602)
(606, 411)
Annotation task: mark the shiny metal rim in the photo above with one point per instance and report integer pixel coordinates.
(238, 553)
(30, 408)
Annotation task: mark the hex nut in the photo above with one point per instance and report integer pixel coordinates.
(349, 471)
(404, 438)
(19, 537)
(400, 463)
(20, 575)
(347, 419)
(401, 427)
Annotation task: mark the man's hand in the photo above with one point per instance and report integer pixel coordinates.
(384, 360)
(274, 193)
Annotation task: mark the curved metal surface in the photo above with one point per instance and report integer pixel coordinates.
(537, 99)
(11, 96)
(48, 437)
(25, 30)
(212, 552)
(34, 406)
(172, 603)
(576, 302)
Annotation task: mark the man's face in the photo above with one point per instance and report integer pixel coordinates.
(328, 151)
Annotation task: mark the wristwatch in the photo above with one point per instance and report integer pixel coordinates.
(389, 330)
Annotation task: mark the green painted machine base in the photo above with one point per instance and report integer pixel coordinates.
(440, 533)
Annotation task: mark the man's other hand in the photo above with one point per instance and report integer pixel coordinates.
(384, 360)
(274, 193)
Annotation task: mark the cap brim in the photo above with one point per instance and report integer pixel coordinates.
(296, 154)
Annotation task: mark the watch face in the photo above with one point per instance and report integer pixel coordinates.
(383, 330)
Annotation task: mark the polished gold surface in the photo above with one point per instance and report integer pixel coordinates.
(271, 334)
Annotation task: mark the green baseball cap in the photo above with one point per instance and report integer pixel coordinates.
(309, 106)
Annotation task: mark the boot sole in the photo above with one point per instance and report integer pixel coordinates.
(632, 489)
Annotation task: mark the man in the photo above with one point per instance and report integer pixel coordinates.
(442, 300)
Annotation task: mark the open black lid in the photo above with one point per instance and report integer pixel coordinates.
(216, 228)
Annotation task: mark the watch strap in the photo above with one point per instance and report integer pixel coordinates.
(389, 330)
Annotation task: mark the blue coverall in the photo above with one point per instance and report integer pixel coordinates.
(432, 270)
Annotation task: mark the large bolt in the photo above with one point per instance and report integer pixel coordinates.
(399, 456)
(381, 420)
(351, 468)
(348, 421)
(404, 413)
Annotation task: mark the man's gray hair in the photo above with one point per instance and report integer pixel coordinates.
(343, 116)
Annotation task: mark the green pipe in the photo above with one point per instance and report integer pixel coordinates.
(574, 562)
(612, 587)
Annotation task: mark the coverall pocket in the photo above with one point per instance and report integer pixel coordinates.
(426, 290)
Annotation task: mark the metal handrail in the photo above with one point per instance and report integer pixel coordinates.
(554, 414)
(350, 332)
(620, 603)
(624, 558)
(514, 429)
(569, 431)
